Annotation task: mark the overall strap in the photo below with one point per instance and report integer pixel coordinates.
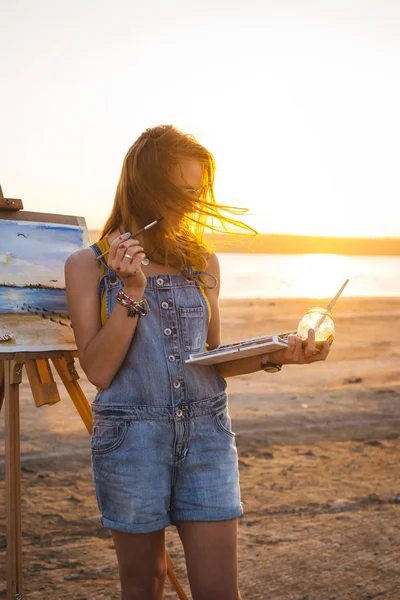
(99, 252)
(108, 281)
(193, 274)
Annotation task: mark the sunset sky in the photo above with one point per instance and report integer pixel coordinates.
(299, 101)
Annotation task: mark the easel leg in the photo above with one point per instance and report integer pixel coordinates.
(12, 379)
(174, 580)
(1, 383)
(69, 376)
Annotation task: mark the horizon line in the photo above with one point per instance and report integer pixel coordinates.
(302, 235)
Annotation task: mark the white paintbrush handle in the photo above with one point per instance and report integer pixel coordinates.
(334, 300)
(330, 305)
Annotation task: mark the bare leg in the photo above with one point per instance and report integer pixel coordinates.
(142, 564)
(211, 558)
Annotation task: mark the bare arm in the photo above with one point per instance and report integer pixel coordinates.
(101, 350)
(293, 354)
(233, 367)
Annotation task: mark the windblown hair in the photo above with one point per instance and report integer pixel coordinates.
(146, 191)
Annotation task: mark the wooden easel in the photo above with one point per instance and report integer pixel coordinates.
(44, 391)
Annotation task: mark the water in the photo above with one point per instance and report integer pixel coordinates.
(17, 300)
(261, 276)
(307, 275)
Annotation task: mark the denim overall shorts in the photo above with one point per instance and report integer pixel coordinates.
(162, 446)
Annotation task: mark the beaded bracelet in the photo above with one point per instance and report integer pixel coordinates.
(135, 308)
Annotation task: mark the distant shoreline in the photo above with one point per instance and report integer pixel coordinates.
(30, 286)
(299, 244)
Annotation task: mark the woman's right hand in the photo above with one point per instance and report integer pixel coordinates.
(125, 259)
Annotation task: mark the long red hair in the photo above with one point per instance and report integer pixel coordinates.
(146, 191)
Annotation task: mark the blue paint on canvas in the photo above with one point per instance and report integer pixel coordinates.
(24, 300)
(32, 258)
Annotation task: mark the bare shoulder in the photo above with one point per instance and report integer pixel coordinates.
(81, 258)
(82, 263)
(213, 264)
(213, 268)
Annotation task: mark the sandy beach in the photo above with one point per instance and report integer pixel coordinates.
(319, 453)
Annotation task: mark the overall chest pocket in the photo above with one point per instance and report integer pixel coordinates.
(192, 327)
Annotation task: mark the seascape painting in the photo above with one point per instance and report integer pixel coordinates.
(33, 302)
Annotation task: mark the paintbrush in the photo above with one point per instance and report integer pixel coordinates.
(330, 306)
(135, 234)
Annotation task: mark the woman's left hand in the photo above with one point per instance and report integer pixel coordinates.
(295, 354)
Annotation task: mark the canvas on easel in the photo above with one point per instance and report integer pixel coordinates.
(33, 251)
(34, 329)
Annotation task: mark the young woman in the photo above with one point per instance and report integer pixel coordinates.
(162, 447)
